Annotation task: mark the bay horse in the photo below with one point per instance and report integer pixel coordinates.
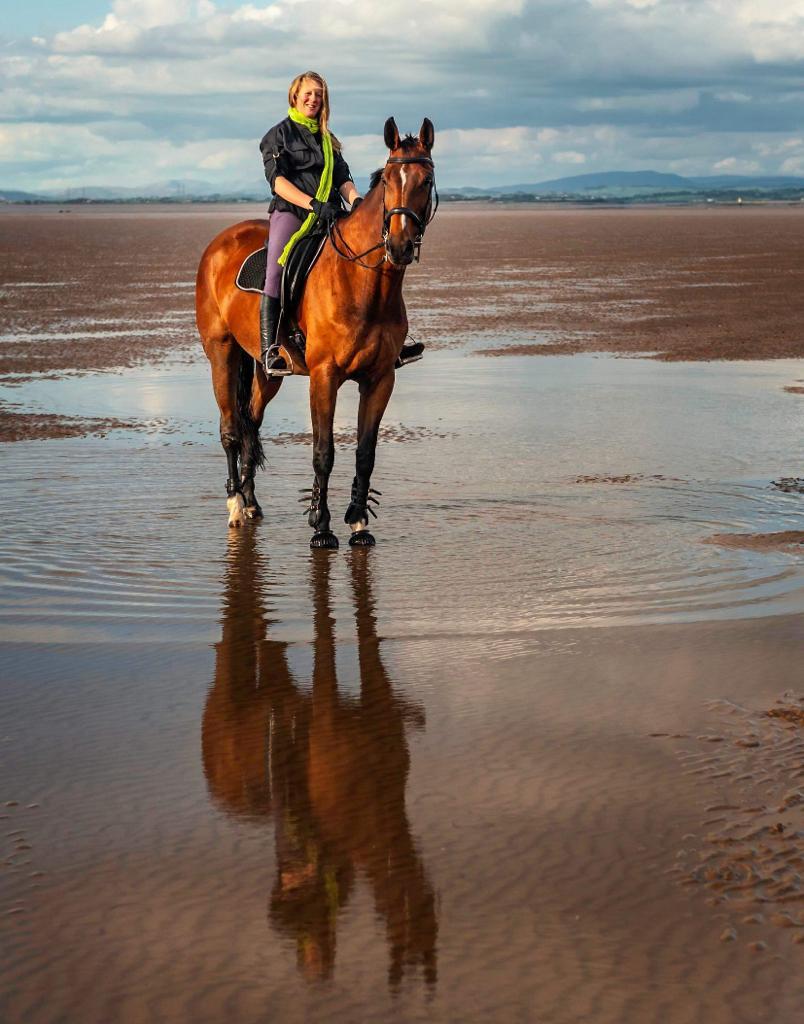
(352, 315)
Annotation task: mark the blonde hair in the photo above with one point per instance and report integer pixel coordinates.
(323, 113)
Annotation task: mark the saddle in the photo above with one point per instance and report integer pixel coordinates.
(300, 261)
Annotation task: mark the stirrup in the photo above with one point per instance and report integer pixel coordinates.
(409, 354)
(275, 364)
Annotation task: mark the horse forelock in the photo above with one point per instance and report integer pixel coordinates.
(409, 143)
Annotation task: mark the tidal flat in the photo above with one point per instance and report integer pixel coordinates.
(535, 757)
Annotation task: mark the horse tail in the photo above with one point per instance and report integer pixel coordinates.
(251, 451)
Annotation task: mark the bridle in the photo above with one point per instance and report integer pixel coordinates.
(421, 222)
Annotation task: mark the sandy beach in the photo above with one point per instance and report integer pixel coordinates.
(537, 757)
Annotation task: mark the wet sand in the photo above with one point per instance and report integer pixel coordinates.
(785, 540)
(536, 757)
(31, 426)
(719, 283)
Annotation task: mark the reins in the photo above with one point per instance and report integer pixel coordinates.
(421, 222)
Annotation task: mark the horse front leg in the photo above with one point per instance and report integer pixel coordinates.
(374, 397)
(323, 393)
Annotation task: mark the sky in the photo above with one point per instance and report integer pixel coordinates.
(130, 92)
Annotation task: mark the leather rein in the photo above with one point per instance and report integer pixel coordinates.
(421, 222)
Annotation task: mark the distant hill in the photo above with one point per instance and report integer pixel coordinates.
(593, 187)
(174, 188)
(745, 181)
(629, 180)
(10, 195)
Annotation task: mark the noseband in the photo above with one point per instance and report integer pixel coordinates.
(421, 222)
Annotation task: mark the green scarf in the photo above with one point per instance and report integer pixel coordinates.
(324, 185)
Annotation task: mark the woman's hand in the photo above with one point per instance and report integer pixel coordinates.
(327, 213)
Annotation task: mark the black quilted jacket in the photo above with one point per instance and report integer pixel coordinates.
(293, 152)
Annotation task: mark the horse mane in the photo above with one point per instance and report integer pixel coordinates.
(409, 142)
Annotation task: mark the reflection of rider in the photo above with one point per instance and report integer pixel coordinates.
(332, 770)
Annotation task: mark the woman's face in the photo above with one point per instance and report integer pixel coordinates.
(309, 98)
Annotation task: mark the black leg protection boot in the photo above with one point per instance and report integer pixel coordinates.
(274, 363)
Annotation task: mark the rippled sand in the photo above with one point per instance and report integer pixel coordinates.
(536, 757)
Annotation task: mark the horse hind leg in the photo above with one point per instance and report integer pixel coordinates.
(254, 392)
(225, 357)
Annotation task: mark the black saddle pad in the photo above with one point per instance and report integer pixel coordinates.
(251, 276)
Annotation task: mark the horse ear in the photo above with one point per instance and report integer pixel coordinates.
(427, 134)
(391, 134)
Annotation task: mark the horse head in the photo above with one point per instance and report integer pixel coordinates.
(408, 181)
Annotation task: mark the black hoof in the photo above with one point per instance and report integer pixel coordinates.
(361, 539)
(324, 540)
(253, 512)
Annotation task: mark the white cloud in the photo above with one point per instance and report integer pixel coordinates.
(793, 165)
(146, 26)
(664, 101)
(517, 88)
(734, 165)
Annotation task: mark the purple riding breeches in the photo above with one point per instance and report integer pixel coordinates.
(281, 226)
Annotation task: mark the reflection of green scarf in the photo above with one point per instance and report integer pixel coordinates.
(324, 185)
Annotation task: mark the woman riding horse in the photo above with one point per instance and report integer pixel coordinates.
(352, 316)
(309, 178)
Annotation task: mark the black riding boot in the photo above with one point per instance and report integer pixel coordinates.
(409, 354)
(274, 363)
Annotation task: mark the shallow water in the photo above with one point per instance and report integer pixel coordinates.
(500, 466)
(242, 782)
(384, 828)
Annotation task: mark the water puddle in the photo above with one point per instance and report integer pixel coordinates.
(512, 469)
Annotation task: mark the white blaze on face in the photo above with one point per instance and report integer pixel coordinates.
(404, 183)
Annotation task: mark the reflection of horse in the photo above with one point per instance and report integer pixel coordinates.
(330, 769)
(352, 315)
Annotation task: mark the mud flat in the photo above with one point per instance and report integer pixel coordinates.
(785, 540)
(90, 287)
(535, 757)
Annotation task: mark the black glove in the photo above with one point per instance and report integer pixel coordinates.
(356, 203)
(327, 213)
